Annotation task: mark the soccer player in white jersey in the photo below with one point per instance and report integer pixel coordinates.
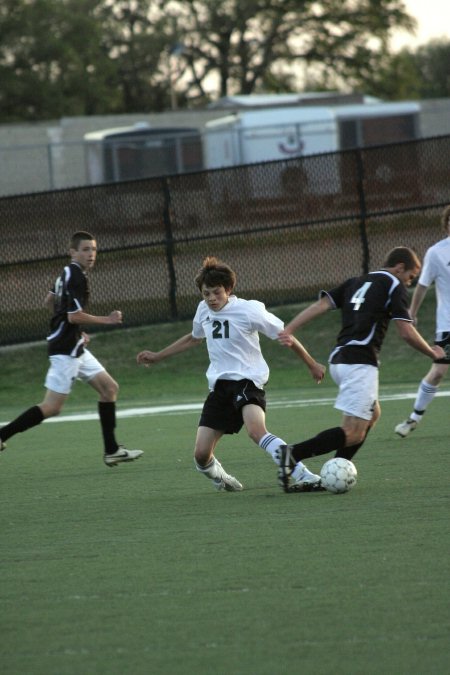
(436, 268)
(237, 372)
(69, 357)
(367, 303)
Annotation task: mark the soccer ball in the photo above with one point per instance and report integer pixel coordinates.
(338, 475)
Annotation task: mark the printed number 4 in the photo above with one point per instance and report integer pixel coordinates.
(217, 332)
(360, 295)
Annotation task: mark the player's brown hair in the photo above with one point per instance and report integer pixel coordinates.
(215, 273)
(402, 254)
(78, 237)
(445, 218)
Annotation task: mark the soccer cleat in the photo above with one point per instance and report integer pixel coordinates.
(309, 487)
(227, 482)
(2, 445)
(405, 427)
(286, 464)
(306, 482)
(121, 455)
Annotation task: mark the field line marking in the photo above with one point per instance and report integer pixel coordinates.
(183, 408)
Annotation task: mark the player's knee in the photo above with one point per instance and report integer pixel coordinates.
(50, 410)
(110, 391)
(354, 436)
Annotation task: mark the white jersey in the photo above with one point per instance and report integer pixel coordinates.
(436, 268)
(233, 341)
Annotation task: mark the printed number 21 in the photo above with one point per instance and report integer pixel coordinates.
(360, 295)
(217, 330)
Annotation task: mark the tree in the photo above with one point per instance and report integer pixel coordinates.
(242, 46)
(52, 60)
(85, 57)
(411, 74)
(432, 61)
(138, 40)
(78, 57)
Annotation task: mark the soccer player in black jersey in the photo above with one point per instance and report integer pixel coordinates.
(69, 357)
(367, 303)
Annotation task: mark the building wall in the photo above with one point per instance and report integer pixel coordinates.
(50, 155)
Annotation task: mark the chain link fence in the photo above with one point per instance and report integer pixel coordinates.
(288, 228)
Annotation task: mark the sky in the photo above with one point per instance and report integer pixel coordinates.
(433, 18)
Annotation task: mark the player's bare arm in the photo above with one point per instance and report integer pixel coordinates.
(418, 297)
(49, 301)
(408, 333)
(317, 369)
(147, 357)
(308, 314)
(114, 318)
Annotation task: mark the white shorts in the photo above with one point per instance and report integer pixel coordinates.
(358, 388)
(64, 370)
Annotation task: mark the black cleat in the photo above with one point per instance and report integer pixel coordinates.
(306, 487)
(285, 466)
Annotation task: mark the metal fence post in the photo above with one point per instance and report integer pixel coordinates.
(362, 210)
(51, 175)
(170, 248)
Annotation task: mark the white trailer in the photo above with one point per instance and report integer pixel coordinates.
(254, 136)
(141, 151)
(283, 133)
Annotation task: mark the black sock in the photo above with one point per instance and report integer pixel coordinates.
(30, 418)
(330, 439)
(350, 452)
(107, 412)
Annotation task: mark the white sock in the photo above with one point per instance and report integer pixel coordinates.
(425, 394)
(271, 443)
(211, 470)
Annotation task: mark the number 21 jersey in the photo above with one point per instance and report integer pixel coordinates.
(232, 338)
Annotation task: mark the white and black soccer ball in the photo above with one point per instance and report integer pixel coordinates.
(338, 475)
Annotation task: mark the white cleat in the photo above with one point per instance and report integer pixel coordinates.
(220, 479)
(405, 428)
(227, 482)
(2, 445)
(306, 481)
(122, 455)
(295, 481)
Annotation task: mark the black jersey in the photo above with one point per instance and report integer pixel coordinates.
(71, 294)
(367, 304)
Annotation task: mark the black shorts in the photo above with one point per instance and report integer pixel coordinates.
(445, 344)
(222, 409)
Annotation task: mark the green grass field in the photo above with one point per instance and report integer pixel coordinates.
(145, 569)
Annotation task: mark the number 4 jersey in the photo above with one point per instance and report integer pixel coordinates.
(232, 338)
(367, 304)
